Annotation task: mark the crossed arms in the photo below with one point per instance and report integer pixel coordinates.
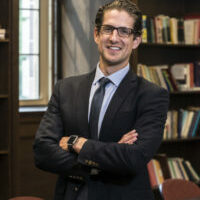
(128, 138)
(130, 154)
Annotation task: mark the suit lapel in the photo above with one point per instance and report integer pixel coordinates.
(82, 103)
(127, 85)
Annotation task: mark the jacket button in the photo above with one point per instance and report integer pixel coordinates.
(75, 189)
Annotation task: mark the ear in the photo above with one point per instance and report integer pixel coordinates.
(96, 35)
(136, 42)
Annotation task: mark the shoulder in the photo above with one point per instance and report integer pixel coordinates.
(149, 87)
(73, 79)
(73, 82)
(149, 92)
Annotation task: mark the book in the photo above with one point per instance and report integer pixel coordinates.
(162, 158)
(174, 30)
(146, 73)
(197, 74)
(160, 75)
(195, 120)
(159, 28)
(178, 173)
(189, 30)
(167, 128)
(144, 30)
(150, 29)
(2, 33)
(187, 124)
(181, 74)
(195, 17)
(168, 80)
(181, 34)
(165, 29)
(158, 172)
(171, 168)
(174, 124)
(162, 167)
(177, 77)
(193, 176)
(183, 123)
(172, 80)
(191, 74)
(197, 134)
(169, 40)
(182, 169)
(140, 70)
(154, 75)
(196, 31)
(152, 174)
(180, 121)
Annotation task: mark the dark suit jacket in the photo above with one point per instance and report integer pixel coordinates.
(137, 104)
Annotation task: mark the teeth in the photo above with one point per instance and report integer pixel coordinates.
(115, 48)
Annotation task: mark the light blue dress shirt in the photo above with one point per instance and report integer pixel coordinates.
(110, 89)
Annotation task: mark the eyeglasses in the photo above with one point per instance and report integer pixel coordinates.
(122, 31)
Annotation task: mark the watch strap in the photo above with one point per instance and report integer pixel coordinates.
(72, 140)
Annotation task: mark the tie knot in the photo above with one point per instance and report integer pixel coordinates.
(104, 81)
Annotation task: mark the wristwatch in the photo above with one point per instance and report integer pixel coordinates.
(72, 140)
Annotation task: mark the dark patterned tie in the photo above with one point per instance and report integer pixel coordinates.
(96, 107)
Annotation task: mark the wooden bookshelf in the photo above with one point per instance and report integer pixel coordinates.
(4, 40)
(170, 45)
(157, 54)
(8, 94)
(152, 54)
(182, 140)
(4, 152)
(3, 96)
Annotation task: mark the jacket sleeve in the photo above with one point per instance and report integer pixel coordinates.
(48, 154)
(129, 159)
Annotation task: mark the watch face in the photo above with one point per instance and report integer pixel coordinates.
(72, 139)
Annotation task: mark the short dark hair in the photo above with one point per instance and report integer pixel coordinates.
(127, 5)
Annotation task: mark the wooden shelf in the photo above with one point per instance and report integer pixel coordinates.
(8, 96)
(4, 40)
(164, 45)
(186, 92)
(4, 96)
(183, 140)
(4, 152)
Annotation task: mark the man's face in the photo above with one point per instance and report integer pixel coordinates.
(115, 50)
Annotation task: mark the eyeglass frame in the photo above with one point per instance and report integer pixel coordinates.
(130, 30)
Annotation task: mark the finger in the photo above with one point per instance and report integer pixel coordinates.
(130, 141)
(63, 143)
(128, 136)
(130, 132)
(131, 138)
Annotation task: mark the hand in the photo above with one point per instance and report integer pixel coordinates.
(63, 143)
(129, 138)
(77, 146)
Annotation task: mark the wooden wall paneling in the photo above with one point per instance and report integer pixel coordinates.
(42, 183)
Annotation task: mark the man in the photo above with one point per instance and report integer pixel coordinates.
(98, 136)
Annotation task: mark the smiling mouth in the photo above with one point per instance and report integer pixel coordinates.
(114, 48)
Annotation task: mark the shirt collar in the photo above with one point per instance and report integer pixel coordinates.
(116, 77)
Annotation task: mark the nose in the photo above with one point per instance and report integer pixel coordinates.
(114, 35)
